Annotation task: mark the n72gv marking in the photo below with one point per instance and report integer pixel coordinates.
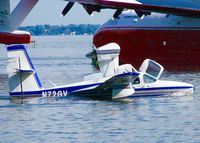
(58, 93)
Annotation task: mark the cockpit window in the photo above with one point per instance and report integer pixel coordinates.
(153, 69)
(148, 79)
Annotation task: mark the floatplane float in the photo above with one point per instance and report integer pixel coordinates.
(113, 81)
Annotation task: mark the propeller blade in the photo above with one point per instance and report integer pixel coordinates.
(117, 13)
(67, 8)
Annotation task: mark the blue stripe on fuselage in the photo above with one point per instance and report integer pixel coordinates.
(68, 89)
(163, 88)
(146, 95)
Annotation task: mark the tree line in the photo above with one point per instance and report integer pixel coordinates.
(71, 29)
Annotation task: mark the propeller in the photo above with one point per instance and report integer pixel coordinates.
(67, 8)
(117, 13)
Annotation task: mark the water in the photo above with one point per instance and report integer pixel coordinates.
(62, 60)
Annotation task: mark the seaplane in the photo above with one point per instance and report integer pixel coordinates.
(167, 30)
(111, 82)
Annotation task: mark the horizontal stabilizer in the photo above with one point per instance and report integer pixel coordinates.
(23, 71)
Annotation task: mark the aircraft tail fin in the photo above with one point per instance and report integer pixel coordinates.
(21, 72)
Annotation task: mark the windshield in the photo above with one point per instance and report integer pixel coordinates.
(153, 69)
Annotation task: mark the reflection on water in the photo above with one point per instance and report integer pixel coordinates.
(62, 60)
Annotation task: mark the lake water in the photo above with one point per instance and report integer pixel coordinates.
(61, 59)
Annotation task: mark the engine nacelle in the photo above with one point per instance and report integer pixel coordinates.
(108, 58)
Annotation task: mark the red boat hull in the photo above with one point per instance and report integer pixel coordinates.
(175, 49)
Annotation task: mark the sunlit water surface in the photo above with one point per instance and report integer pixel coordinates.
(61, 59)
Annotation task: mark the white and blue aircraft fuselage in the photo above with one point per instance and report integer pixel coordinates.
(114, 81)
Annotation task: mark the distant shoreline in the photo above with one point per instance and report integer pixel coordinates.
(53, 30)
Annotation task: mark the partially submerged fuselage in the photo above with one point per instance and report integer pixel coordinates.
(113, 81)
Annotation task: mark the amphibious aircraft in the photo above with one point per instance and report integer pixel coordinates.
(113, 81)
(10, 21)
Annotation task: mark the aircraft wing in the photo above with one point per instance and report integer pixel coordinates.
(189, 8)
(119, 86)
(121, 79)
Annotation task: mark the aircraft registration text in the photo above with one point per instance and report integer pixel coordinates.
(58, 93)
